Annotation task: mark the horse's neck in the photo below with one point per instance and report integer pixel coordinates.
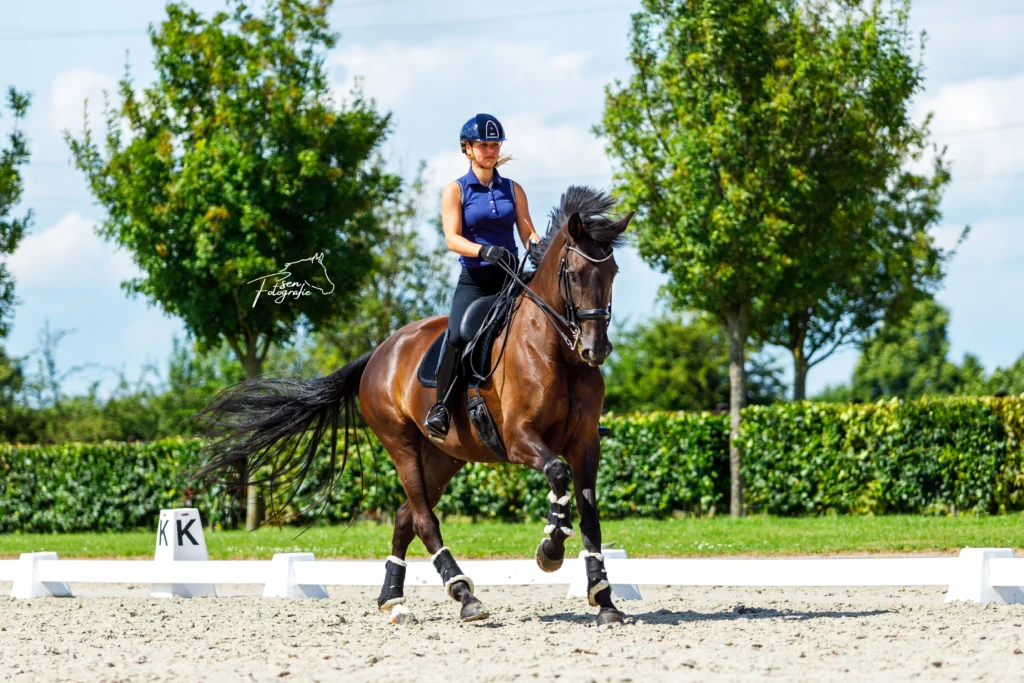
(534, 326)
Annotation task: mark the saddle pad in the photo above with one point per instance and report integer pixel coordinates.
(427, 373)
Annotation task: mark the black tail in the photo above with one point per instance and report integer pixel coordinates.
(261, 423)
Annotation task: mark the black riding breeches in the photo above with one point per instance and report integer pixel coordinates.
(474, 283)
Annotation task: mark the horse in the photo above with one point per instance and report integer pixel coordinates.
(545, 396)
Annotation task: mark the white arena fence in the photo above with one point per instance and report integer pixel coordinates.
(181, 569)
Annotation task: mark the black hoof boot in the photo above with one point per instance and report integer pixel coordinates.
(473, 609)
(437, 423)
(609, 615)
(547, 563)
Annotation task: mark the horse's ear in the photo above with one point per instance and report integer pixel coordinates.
(575, 226)
(620, 225)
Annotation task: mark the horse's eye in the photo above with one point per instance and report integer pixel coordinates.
(575, 278)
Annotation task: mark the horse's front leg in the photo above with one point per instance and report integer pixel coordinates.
(530, 450)
(584, 461)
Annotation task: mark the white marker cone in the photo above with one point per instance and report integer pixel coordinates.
(179, 537)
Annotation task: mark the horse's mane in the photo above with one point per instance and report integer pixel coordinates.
(593, 207)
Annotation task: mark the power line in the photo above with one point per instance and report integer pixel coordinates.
(99, 33)
(986, 129)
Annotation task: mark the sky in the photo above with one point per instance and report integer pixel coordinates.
(541, 67)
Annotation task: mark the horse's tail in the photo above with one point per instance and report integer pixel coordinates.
(260, 423)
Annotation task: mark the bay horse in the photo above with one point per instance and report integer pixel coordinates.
(545, 396)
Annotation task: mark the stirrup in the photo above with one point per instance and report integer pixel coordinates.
(603, 431)
(438, 422)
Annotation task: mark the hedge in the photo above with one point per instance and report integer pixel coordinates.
(936, 456)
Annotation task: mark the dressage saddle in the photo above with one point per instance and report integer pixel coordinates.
(476, 362)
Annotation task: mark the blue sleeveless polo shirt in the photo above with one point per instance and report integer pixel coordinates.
(488, 214)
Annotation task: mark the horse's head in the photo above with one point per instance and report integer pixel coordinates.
(586, 264)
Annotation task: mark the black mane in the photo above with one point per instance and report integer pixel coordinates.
(593, 206)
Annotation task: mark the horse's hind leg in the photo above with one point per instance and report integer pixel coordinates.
(435, 473)
(392, 593)
(424, 479)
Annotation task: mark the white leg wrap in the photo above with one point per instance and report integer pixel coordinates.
(587, 553)
(455, 579)
(443, 548)
(395, 560)
(564, 500)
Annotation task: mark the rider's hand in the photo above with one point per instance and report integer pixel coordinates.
(493, 254)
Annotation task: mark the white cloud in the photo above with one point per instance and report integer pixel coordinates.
(68, 92)
(69, 254)
(481, 73)
(973, 104)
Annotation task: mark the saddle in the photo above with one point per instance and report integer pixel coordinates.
(483, 322)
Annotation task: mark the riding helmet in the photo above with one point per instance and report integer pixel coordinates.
(482, 128)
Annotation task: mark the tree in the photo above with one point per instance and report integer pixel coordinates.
(13, 157)
(892, 263)
(908, 360)
(670, 363)
(412, 280)
(237, 162)
(721, 135)
(235, 174)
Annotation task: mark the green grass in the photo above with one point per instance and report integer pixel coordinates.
(640, 537)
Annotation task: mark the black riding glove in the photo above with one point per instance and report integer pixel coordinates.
(493, 254)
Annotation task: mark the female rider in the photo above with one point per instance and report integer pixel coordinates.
(478, 212)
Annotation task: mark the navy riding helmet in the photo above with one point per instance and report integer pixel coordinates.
(482, 128)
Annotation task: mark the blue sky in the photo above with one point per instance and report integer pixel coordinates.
(541, 67)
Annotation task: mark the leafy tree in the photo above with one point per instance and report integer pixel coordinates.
(240, 173)
(235, 162)
(745, 125)
(1007, 380)
(669, 363)
(412, 280)
(892, 262)
(908, 360)
(13, 157)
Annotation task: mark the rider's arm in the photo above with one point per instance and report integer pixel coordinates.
(451, 220)
(523, 220)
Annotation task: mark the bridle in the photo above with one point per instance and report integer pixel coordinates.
(573, 315)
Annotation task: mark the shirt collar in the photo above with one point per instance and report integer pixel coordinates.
(471, 177)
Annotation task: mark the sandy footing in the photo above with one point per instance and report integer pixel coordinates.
(116, 632)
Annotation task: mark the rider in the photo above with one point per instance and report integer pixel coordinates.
(478, 212)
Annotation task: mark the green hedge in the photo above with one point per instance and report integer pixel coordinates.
(929, 456)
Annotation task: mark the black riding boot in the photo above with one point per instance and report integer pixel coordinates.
(439, 416)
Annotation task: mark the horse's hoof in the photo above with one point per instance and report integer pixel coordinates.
(608, 616)
(544, 562)
(404, 619)
(402, 616)
(474, 611)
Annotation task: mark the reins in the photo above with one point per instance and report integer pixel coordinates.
(571, 320)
